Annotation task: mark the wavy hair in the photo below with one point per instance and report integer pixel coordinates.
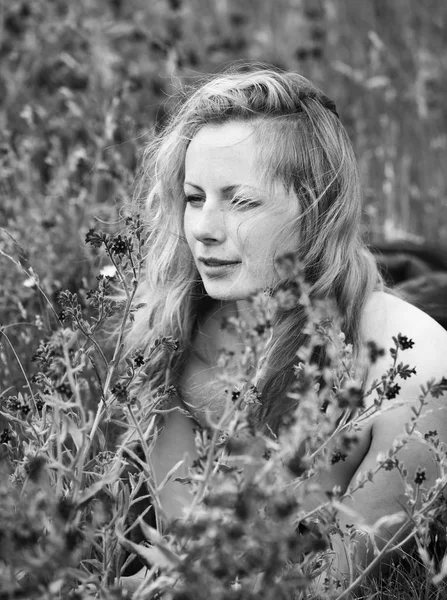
(309, 152)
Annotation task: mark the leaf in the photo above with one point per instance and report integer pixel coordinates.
(153, 535)
(91, 491)
(183, 480)
(101, 439)
(157, 555)
(389, 521)
(96, 564)
(169, 474)
(74, 432)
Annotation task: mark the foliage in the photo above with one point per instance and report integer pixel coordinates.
(249, 532)
(83, 87)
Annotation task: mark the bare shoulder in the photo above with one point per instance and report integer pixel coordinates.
(386, 315)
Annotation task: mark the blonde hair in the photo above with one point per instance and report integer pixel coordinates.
(309, 152)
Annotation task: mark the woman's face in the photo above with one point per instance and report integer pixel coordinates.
(234, 226)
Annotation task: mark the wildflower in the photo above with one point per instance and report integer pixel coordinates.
(104, 457)
(287, 296)
(167, 342)
(252, 397)
(305, 377)
(170, 343)
(138, 358)
(338, 456)
(48, 223)
(405, 372)
(30, 282)
(223, 438)
(348, 440)
(389, 464)
(439, 388)
(120, 245)
(285, 508)
(297, 465)
(310, 538)
(96, 239)
(5, 436)
(39, 403)
(120, 392)
(13, 403)
(261, 328)
(374, 352)
(25, 409)
(44, 354)
(392, 391)
(64, 389)
(167, 391)
(235, 395)
(420, 476)
(404, 343)
(109, 271)
(351, 397)
(197, 464)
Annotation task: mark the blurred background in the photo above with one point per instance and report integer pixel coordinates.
(83, 86)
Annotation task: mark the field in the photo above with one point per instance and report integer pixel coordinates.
(83, 87)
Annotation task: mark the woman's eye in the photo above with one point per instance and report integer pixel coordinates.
(244, 203)
(194, 200)
(236, 203)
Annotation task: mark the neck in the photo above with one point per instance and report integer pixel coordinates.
(242, 309)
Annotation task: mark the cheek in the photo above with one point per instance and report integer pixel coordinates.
(187, 227)
(270, 238)
(265, 248)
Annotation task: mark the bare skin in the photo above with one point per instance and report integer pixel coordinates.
(243, 228)
(384, 316)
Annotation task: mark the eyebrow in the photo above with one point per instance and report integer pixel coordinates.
(228, 189)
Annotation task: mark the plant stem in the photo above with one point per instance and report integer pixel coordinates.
(18, 361)
(372, 564)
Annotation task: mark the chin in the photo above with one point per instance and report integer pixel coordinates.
(225, 297)
(227, 293)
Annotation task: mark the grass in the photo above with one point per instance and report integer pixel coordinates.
(82, 88)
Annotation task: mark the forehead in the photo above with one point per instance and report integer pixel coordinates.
(229, 154)
(230, 146)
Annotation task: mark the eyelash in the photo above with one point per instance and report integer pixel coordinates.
(191, 199)
(241, 203)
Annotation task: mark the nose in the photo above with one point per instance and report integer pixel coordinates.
(209, 225)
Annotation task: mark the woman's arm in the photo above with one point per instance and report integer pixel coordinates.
(385, 496)
(371, 507)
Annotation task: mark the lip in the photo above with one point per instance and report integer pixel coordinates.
(217, 262)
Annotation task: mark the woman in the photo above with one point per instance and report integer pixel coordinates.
(254, 164)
